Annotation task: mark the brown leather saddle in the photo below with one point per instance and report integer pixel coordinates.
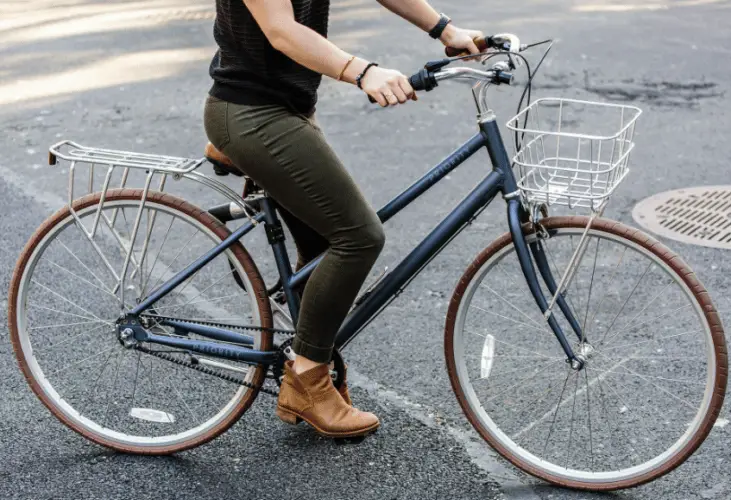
(223, 166)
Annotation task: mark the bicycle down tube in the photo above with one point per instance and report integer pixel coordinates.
(500, 180)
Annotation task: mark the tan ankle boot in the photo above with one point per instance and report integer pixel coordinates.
(312, 397)
(343, 391)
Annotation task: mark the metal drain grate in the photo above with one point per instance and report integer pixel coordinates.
(697, 215)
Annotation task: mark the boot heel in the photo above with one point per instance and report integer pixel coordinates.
(288, 416)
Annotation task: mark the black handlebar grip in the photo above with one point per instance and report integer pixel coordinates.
(417, 81)
(503, 77)
(422, 81)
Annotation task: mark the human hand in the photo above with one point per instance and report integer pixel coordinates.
(387, 87)
(461, 39)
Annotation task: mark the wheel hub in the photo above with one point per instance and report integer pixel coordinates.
(583, 353)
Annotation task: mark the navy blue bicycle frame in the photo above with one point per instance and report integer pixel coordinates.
(500, 180)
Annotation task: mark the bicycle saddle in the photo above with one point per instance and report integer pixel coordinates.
(222, 164)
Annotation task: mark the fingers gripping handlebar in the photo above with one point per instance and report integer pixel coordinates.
(427, 78)
(506, 42)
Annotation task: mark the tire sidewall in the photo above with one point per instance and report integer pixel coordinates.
(189, 210)
(660, 251)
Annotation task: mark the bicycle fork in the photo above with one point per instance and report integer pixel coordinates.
(535, 249)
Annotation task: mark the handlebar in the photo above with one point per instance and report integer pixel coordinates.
(427, 80)
(433, 72)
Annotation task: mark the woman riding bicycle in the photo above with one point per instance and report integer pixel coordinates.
(260, 115)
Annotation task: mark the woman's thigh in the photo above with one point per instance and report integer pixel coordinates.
(288, 156)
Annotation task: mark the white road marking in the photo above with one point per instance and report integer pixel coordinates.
(479, 452)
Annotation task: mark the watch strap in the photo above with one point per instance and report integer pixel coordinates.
(437, 30)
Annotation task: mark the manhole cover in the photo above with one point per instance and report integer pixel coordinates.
(697, 215)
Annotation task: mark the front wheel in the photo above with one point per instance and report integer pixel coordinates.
(656, 363)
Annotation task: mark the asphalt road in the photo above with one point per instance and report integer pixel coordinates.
(132, 75)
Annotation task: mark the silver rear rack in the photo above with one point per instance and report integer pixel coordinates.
(73, 152)
(101, 170)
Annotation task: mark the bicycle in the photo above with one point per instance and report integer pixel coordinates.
(573, 382)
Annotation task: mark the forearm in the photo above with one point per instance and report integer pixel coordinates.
(300, 43)
(315, 52)
(417, 12)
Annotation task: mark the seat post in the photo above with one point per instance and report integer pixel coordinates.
(276, 238)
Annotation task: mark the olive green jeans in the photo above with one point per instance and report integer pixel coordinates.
(287, 155)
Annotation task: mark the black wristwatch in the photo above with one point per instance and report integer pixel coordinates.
(437, 30)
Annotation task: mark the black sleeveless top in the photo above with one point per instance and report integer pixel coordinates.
(248, 70)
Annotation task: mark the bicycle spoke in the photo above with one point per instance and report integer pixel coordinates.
(89, 332)
(537, 405)
(85, 359)
(591, 287)
(167, 268)
(588, 411)
(609, 286)
(103, 290)
(182, 400)
(30, 304)
(230, 273)
(541, 364)
(92, 392)
(94, 316)
(542, 330)
(643, 310)
(650, 340)
(621, 309)
(686, 403)
(73, 254)
(120, 358)
(619, 398)
(555, 414)
(482, 285)
(653, 321)
(137, 373)
(520, 383)
(157, 256)
(556, 272)
(64, 325)
(214, 299)
(571, 430)
(512, 346)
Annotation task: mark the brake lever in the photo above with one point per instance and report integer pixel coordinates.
(511, 44)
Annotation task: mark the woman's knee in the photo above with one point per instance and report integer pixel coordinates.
(374, 237)
(365, 239)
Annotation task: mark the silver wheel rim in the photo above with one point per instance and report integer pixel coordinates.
(531, 459)
(60, 403)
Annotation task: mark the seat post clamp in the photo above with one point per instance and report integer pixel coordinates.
(275, 233)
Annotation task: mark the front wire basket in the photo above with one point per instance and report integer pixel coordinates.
(559, 163)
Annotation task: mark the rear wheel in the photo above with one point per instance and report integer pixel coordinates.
(656, 363)
(64, 301)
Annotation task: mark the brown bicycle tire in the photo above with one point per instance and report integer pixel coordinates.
(678, 266)
(209, 222)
